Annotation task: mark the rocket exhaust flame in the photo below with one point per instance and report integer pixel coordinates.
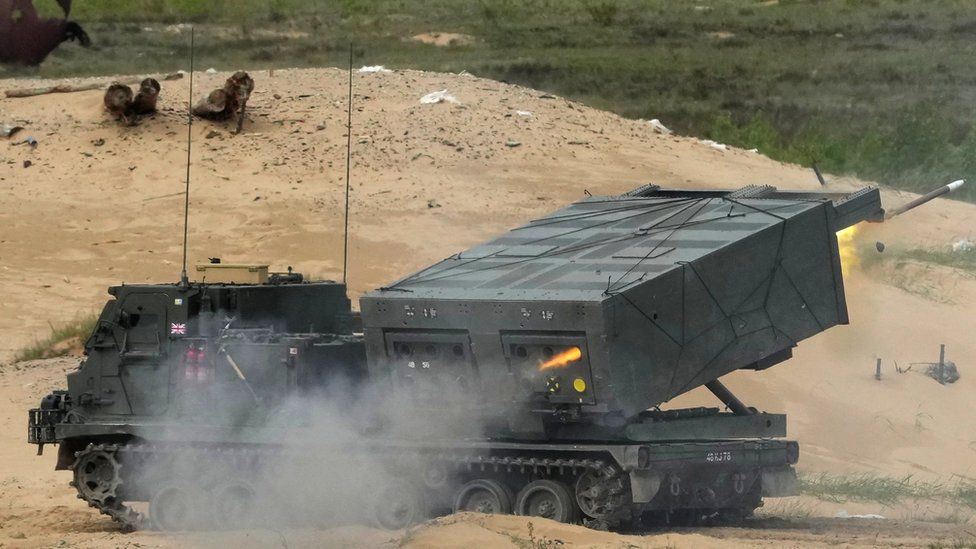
(848, 249)
(846, 238)
(562, 359)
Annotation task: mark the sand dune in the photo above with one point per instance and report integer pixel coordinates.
(101, 204)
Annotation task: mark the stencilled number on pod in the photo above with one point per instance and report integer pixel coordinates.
(718, 457)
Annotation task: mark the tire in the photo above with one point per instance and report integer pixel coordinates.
(484, 496)
(179, 508)
(397, 506)
(547, 499)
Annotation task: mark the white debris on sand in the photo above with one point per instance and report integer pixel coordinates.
(524, 113)
(715, 145)
(374, 68)
(211, 70)
(659, 127)
(964, 245)
(178, 29)
(439, 97)
(6, 130)
(845, 515)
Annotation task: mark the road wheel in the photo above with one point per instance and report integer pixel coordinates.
(549, 499)
(397, 506)
(235, 503)
(179, 508)
(484, 496)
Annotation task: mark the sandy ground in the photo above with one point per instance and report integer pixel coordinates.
(101, 204)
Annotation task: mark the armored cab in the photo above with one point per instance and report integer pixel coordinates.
(202, 361)
(577, 323)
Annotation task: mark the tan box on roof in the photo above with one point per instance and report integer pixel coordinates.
(232, 273)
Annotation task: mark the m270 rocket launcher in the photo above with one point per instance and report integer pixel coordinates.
(560, 340)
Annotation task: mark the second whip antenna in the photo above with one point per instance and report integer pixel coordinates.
(345, 229)
(184, 281)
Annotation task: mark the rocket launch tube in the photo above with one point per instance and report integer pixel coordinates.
(946, 189)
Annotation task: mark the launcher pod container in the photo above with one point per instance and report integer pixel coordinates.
(576, 324)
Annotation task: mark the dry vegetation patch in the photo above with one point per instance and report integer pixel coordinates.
(63, 340)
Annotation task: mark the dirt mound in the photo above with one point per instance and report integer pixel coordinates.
(474, 530)
(477, 530)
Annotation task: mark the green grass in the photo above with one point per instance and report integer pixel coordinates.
(868, 487)
(964, 260)
(59, 341)
(877, 88)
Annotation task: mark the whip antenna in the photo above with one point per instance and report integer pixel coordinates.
(345, 230)
(184, 281)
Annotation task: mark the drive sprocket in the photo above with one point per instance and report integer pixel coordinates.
(97, 473)
(602, 494)
(98, 477)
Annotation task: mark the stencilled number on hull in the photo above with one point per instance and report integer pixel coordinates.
(718, 457)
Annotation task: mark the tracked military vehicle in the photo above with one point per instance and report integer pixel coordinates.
(560, 342)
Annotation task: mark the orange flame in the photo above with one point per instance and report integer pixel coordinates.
(562, 359)
(848, 250)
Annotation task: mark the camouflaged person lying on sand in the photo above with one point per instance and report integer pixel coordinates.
(526, 375)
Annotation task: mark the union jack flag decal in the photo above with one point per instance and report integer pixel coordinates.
(177, 329)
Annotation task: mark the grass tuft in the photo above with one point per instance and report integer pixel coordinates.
(966, 494)
(869, 487)
(62, 340)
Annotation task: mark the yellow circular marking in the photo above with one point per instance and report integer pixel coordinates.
(579, 384)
